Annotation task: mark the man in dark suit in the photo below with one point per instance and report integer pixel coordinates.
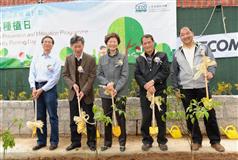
(151, 73)
(79, 74)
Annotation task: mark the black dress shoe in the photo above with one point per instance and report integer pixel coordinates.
(122, 148)
(92, 148)
(163, 147)
(104, 148)
(73, 146)
(38, 146)
(146, 147)
(53, 147)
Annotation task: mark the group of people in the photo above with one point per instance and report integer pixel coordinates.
(151, 73)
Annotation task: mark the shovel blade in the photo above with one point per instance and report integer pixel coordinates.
(153, 130)
(116, 130)
(98, 133)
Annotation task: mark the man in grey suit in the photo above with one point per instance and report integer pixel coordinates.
(79, 74)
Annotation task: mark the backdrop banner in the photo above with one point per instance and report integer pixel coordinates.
(22, 27)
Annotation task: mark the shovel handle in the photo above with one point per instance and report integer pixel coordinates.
(206, 84)
(153, 110)
(79, 107)
(35, 105)
(113, 111)
(205, 75)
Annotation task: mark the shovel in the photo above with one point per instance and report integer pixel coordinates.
(116, 130)
(153, 128)
(202, 69)
(36, 123)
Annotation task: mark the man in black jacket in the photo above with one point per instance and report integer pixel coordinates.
(151, 73)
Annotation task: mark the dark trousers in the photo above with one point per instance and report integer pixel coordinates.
(48, 101)
(147, 121)
(91, 129)
(210, 124)
(107, 107)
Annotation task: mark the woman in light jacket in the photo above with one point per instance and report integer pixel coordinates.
(112, 73)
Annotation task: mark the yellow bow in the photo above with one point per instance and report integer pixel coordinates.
(81, 121)
(202, 67)
(157, 100)
(107, 92)
(37, 123)
(207, 102)
(34, 125)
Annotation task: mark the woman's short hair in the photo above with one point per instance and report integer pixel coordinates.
(112, 35)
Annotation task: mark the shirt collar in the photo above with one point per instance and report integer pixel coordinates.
(194, 45)
(46, 55)
(81, 56)
(108, 53)
(152, 55)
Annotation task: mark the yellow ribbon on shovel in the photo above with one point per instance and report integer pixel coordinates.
(36, 123)
(202, 69)
(157, 100)
(153, 128)
(82, 119)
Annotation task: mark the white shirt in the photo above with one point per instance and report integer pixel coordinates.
(44, 68)
(189, 54)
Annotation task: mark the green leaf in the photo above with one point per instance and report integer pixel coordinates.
(192, 120)
(100, 116)
(8, 140)
(206, 115)
(163, 118)
(187, 117)
(187, 110)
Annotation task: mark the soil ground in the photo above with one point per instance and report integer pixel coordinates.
(179, 149)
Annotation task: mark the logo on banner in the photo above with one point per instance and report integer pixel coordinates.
(153, 7)
(141, 7)
(222, 45)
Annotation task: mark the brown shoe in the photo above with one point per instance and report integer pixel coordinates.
(38, 146)
(218, 147)
(146, 147)
(196, 146)
(53, 147)
(163, 147)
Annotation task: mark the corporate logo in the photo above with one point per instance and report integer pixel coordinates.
(141, 7)
(152, 7)
(222, 45)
